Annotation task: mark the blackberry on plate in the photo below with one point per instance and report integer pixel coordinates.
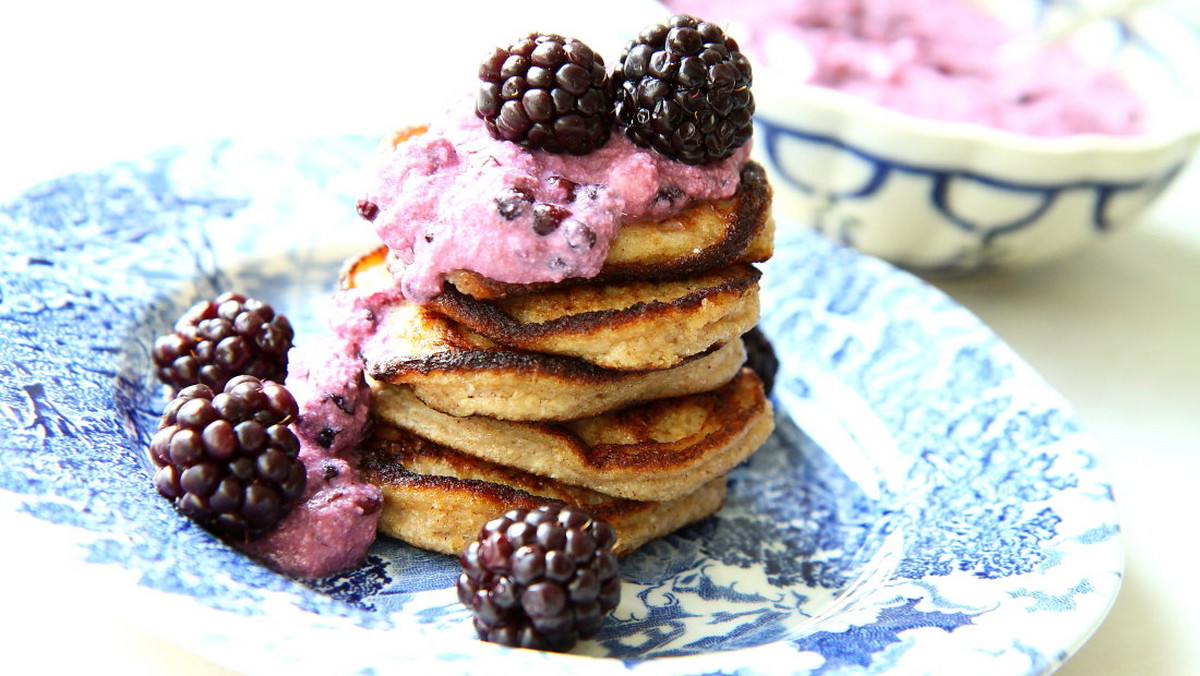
(218, 339)
(683, 89)
(541, 578)
(549, 92)
(228, 460)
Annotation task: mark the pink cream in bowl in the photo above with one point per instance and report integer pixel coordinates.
(946, 60)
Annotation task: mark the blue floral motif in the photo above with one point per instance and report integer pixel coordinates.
(854, 647)
(914, 453)
(976, 509)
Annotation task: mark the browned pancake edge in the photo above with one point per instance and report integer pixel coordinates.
(437, 498)
(653, 451)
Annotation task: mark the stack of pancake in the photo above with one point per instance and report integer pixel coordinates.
(625, 394)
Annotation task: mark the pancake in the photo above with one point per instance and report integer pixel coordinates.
(624, 326)
(438, 499)
(704, 236)
(459, 372)
(659, 450)
(613, 326)
(519, 385)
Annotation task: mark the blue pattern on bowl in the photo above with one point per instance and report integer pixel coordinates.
(937, 183)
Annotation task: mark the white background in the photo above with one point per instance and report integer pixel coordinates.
(1116, 329)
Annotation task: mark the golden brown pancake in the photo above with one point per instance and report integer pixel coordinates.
(438, 499)
(659, 450)
(457, 371)
(616, 326)
(624, 326)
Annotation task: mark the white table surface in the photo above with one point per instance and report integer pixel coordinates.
(1116, 329)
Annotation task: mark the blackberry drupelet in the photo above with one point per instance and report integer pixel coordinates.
(683, 89)
(229, 460)
(549, 92)
(367, 210)
(541, 578)
(215, 340)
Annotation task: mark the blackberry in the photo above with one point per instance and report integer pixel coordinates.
(683, 89)
(215, 340)
(229, 460)
(541, 578)
(549, 92)
(761, 358)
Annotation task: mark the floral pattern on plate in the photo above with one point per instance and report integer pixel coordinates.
(926, 504)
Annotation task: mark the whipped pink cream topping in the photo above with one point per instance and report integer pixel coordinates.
(937, 59)
(334, 525)
(454, 198)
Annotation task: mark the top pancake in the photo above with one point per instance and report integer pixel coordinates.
(704, 236)
(437, 498)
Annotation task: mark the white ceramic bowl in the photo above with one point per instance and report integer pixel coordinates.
(954, 197)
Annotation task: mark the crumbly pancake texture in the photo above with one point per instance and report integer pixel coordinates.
(623, 326)
(438, 499)
(704, 236)
(659, 450)
(459, 372)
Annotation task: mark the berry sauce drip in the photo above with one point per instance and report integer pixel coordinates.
(216, 340)
(547, 92)
(683, 88)
(228, 460)
(541, 578)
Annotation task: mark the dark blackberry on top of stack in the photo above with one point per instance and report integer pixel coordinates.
(683, 88)
(549, 92)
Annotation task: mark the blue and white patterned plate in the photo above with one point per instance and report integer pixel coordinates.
(927, 504)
